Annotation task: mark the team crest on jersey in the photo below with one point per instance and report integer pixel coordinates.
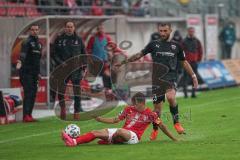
(76, 42)
(32, 44)
(173, 46)
(157, 45)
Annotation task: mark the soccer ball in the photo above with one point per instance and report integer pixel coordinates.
(72, 130)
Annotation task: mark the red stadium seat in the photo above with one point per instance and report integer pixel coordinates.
(11, 11)
(21, 10)
(3, 11)
(32, 12)
(31, 8)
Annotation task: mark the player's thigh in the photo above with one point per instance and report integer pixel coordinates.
(123, 133)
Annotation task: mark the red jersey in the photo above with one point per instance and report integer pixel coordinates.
(138, 121)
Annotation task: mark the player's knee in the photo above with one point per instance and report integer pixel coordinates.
(95, 133)
(170, 97)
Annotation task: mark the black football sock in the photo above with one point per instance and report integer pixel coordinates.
(174, 112)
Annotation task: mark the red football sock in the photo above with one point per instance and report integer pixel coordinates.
(88, 137)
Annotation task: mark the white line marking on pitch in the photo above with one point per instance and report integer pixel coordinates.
(26, 137)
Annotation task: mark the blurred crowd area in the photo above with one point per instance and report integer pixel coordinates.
(136, 8)
(74, 7)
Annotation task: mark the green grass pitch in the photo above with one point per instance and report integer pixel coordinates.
(212, 123)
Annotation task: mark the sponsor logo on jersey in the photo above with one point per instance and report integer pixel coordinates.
(168, 54)
(36, 51)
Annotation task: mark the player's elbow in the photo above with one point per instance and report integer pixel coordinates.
(116, 121)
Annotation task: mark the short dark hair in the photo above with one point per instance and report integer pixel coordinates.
(138, 98)
(34, 24)
(70, 22)
(190, 28)
(162, 24)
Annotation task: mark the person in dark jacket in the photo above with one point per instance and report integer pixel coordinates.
(227, 38)
(66, 46)
(29, 69)
(193, 50)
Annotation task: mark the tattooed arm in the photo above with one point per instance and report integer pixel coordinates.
(133, 58)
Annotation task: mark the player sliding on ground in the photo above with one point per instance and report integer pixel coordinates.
(137, 118)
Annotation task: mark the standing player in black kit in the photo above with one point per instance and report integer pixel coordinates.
(166, 54)
(29, 69)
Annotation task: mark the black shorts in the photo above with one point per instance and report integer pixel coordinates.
(159, 90)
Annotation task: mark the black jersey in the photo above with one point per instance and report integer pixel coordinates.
(30, 55)
(167, 53)
(66, 47)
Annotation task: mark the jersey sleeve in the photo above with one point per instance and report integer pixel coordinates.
(200, 50)
(24, 49)
(123, 114)
(155, 119)
(83, 50)
(109, 39)
(181, 54)
(90, 45)
(55, 55)
(148, 48)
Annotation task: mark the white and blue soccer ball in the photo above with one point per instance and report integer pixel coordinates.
(73, 130)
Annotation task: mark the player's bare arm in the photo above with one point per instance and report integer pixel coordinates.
(167, 132)
(131, 59)
(108, 120)
(189, 70)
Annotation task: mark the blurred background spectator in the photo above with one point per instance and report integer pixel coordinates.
(227, 39)
(72, 4)
(194, 52)
(97, 9)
